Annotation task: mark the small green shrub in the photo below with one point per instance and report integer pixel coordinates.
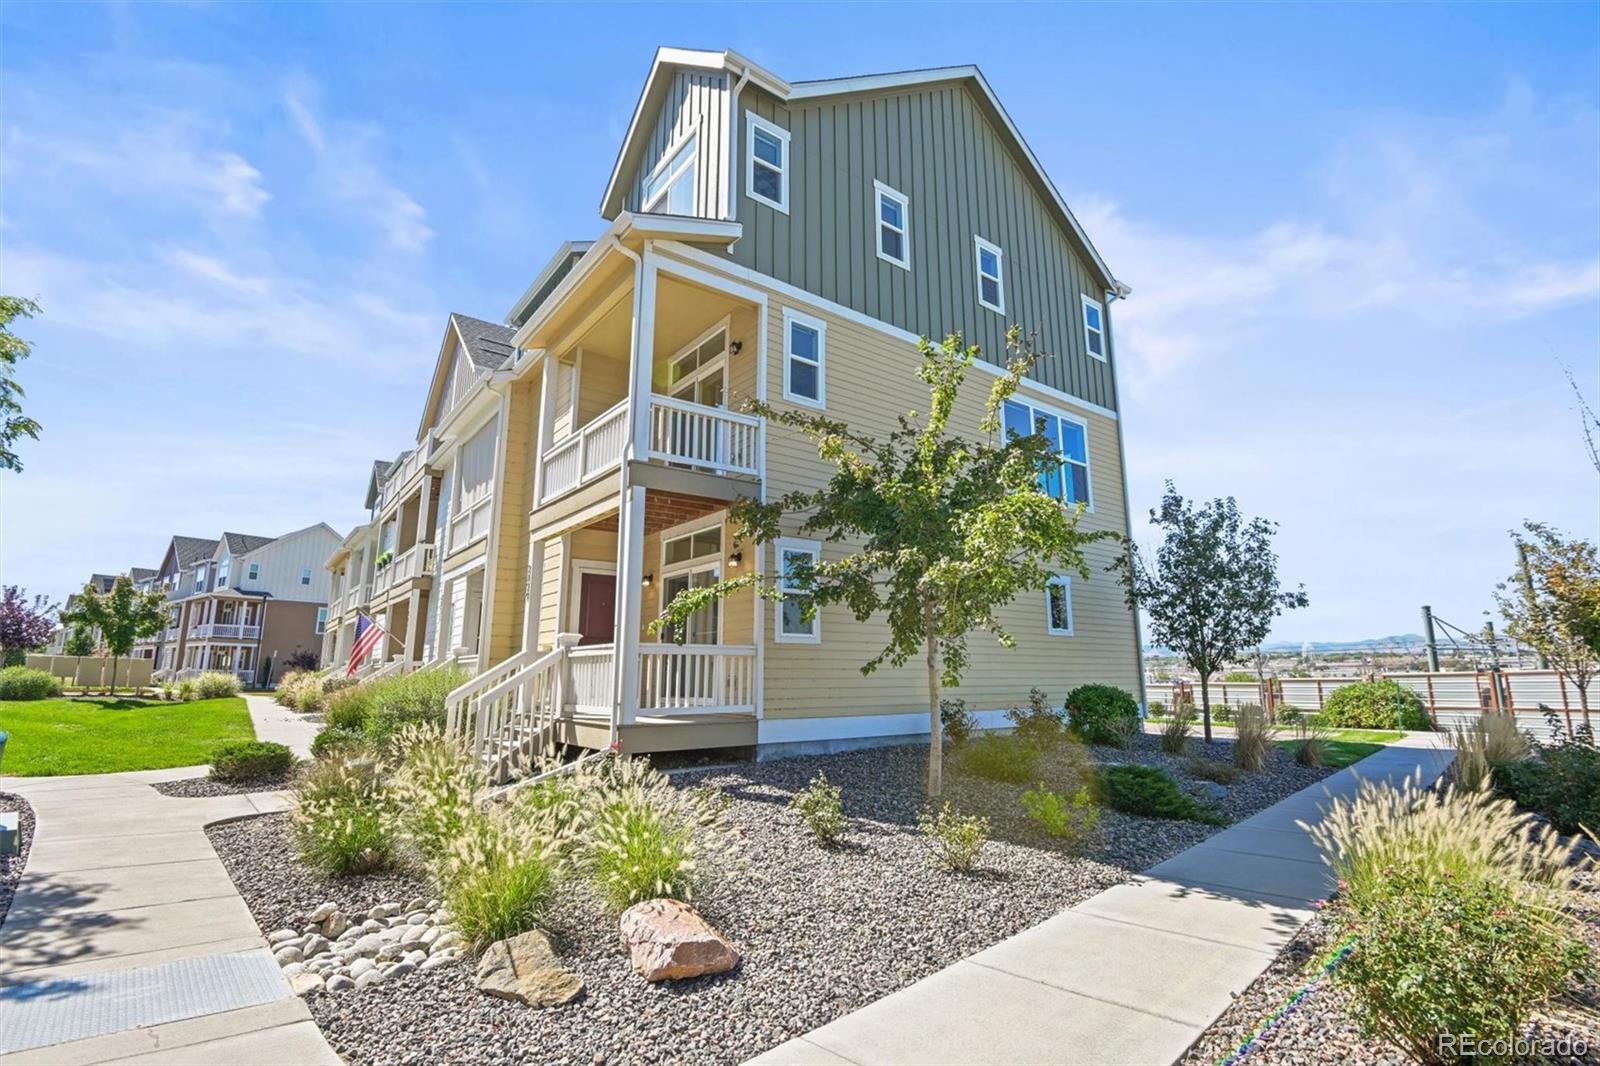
(1222, 712)
(1039, 723)
(332, 740)
(1561, 781)
(25, 683)
(1157, 709)
(410, 699)
(956, 839)
(1252, 738)
(342, 818)
(1175, 733)
(434, 790)
(998, 757)
(1102, 714)
(348, 708)
(216, 685)
(1072, 819)
(253, 760)
(820, 806)
(646, 839)
(1150, 792)
(1482, 745)
(1223, 773)
(499, 875)
(956, 723)
(294, 687)
(187, 690)
(1456, 906)
(1311, 748)
(1380, 704)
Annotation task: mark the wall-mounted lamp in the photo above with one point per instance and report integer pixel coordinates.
(735, 559)
(736, 347)
(649, 579)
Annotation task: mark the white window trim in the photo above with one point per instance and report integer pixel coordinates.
(712, 563)
(322, 620)
(979, 246)
(692, 135)
(880, 190)
(699, 372)
(756, 122)
(790, 318)
(1062, 581)
(1098, 306)
(252, 572)
(1056, 412)
(814, 549)
(306, 575)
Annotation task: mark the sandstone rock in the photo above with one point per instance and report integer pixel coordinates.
(667, 940)
(323, 912)
(340, 983)
(335, 925)
(287, 954)
(525, 969)
(305, 983)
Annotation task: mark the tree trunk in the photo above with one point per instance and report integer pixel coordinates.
(113, 691)
(1205, 704)
(935, 732)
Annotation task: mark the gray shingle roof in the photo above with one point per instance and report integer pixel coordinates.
(488, 345)
(141, 573)
(102, 582)
(239, 543)
(191, 550)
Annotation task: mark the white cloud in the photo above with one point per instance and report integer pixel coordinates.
(347, 158)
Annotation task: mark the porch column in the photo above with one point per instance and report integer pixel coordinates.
(643, 342)
(630, 576)
(547, 409)
(531, 609)
(413, 631)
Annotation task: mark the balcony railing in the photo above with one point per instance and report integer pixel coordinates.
(223, 631)
(416, 561)
(697, 678)
(401, 476)
(472, 523)
(709, 438)
(588, 453)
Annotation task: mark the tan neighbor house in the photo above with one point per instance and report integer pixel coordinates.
(768, 240)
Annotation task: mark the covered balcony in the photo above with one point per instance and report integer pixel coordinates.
(227, 619)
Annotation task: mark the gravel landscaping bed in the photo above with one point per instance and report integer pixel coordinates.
(822, 931)
(1321, 1028)
(202, 787)
(11, 865)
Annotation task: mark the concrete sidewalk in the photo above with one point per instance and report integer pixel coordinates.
(126, 937)
(1133, 975)
(280, 725)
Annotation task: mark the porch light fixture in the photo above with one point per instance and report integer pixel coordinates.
(736, 347)
(735, 559)
(649, 579)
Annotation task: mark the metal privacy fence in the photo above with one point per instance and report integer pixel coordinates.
(1451, 696)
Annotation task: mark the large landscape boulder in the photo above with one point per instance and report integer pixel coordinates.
(667, 940)
(526, 969)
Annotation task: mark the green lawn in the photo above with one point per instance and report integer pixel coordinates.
(1338, 752)
(101, 735)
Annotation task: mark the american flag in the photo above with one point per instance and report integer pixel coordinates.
(368, 633)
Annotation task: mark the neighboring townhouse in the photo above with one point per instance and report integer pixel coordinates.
(788, 242)
(243, 601)
(102, 584)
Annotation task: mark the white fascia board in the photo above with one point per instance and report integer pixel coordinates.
(560, 256)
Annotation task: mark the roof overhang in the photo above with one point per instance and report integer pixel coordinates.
(562, 254)
(669, 60)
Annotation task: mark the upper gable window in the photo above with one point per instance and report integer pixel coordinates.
(1094, 328)
(768, 170)
(991, 274)
(894, 226)
(255, 571)
(671, 186)
(805, 341)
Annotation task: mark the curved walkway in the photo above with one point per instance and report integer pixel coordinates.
(127, 941)
(1133, 975)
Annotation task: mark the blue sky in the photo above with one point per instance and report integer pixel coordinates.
(1363, 241)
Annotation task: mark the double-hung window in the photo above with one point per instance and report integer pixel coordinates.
(767, 163)
(894, 226)
(305, 576)
(990, 261)
(322, 620)
(805, 342)
(200, 578)
(792, 625)
(1070, 439)
(671, 186)
(254, 571)
(1094, 328)
(1058, 606)
(223, 568)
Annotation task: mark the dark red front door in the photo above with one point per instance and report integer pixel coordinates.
(597, 604)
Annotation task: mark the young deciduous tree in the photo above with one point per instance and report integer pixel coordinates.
(13, 350)
(79, 642)
(939, 526)
(1552, 603)
(123, 616)
(1212, 590)
(24, 626)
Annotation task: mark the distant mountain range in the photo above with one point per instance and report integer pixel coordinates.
(1400, 642)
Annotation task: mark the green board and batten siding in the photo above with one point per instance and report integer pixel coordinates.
(934, 144)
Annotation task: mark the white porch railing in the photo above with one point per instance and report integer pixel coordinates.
(593, 673)
(223, 631)
(472, 523)
(699, 678)
(710, 438)
(402, 475)
(416, 561)
(588, 453)
(505, 715)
